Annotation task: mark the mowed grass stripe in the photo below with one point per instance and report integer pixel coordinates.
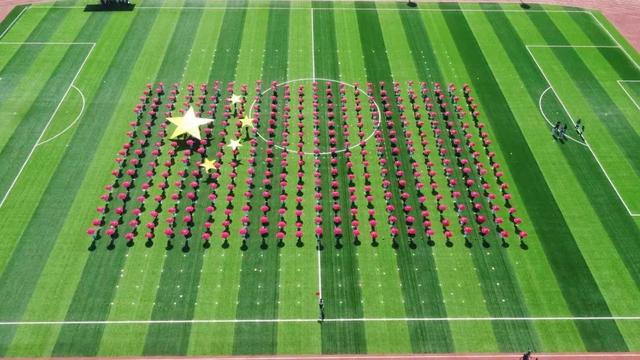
(420, 301)
(140, 275)
(588, 176)
(619, 127)
(461, 294)
(503, 290)
(19, 82)
(97, 284)
(539, 288)
(20, 276)
(339, 266)
(298, 265)
(259, 278)
(614, 216)
(380, 283)
(548, 221)
(179, 273)
(24, 137)
(64, 264)
(220, 271)
(500, 286)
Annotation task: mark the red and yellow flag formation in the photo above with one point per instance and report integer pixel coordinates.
(313, 161)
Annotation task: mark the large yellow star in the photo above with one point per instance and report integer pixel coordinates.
(247, 122)
(188, 124)
(208, 165)
(235, 99)
(234, 144)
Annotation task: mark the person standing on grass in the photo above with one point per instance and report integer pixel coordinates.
(321, 305)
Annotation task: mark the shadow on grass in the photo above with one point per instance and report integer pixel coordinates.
(110, 7)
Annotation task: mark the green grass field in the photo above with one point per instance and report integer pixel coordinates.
(69, 80)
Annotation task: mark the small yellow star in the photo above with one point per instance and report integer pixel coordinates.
(208, 165)
(234, 144)
(247, 122)
(188, 124)
(235, 99)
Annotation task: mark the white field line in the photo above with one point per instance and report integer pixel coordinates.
(585, 140)
(35, 145)
(627, 92)
(614, 40)
(549, 121)
(308, 320)
(72, 123)
(14, 21)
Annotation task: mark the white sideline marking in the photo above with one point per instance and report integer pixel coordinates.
(627, 92)
(15, 180)
(549, 121)
(307, 320)
(586, 143)
(72, 123)
(14, 21)
(614, 40)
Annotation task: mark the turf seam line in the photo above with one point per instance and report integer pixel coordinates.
(302, 320)
(14, 21)
(585, 140)
(46, 126)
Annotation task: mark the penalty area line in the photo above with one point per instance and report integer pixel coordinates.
(306, 320)
(46, 126)
(72, 123)
(586, 143)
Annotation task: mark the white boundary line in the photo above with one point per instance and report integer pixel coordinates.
(14, 21)
(586, 143)
(72, 123)
(309, 320)
(614, 39)
(627, 92)
(35, 145)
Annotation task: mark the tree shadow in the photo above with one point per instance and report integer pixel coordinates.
(524, 246)
(412, 4)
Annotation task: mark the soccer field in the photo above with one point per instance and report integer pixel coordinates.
(429, 219)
